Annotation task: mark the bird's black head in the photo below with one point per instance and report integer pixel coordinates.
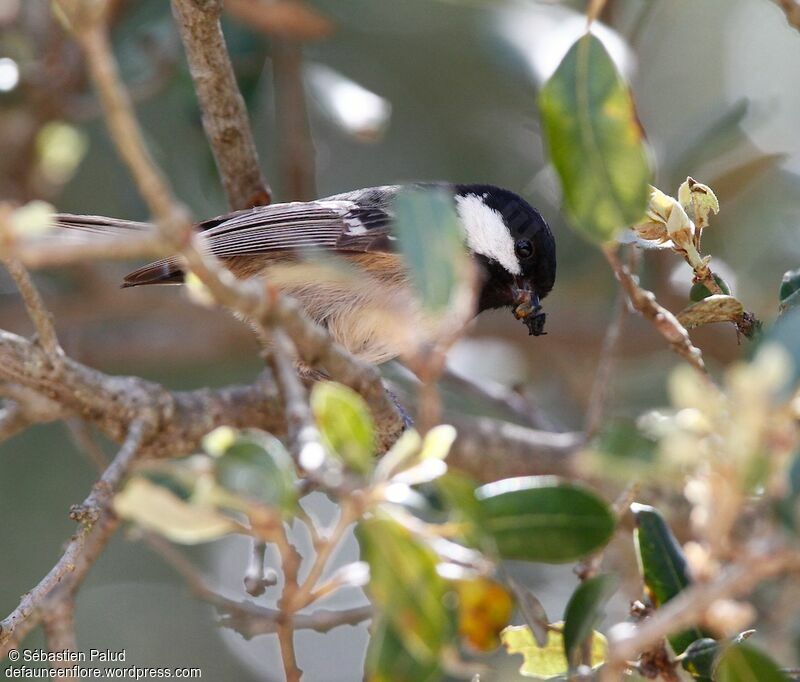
(514, 246)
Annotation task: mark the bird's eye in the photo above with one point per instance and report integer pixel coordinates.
(524, 249)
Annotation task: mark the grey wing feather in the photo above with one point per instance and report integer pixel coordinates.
(353, 222)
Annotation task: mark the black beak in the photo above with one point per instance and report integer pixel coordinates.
(528, 308)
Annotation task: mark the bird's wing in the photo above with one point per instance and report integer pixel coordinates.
(354, 222)
(336, 225)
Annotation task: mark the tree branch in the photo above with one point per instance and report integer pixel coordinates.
(791, 9)
(40, 316)
(225, 118)
(98, 524)
(488, 449)
(690, 606)
(664, 321)
(249, 618)
(59, 631)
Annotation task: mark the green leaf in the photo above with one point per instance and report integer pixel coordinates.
(542, 518)
(458, 493)
(744, 663)
(786, 333)
(547, 662)
(388, 660)
(789, 294)
(699, 291)
(788, 507)
(257, 467)
(699, 658)
(345, 423)
(622, 438)
(595, 142)
(663, 566)
(406, 589)
(437, 257)
(532, 611)
(584, 613)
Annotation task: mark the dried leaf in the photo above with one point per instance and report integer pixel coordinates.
(717, 308)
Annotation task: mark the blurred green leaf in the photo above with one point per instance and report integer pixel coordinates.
(548, 662)
(622, 438)
(345, 423)
(408, 592)
(541, 518)
(532, 611)
(595, 142)
(256, 466)
(663, 566)
(789, 294)
(458, 493)
(744, 663)
(388, 659)
(788, 507)
(584, 613)
(786, 333)
(700, 657)
(158, 509)
(432, 244)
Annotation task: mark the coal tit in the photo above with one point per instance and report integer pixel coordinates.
(510, 241)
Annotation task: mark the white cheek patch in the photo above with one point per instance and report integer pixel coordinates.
(487, 234)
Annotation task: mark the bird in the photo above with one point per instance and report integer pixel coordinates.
(368, 306)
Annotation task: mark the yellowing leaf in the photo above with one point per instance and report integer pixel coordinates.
(32, 219)
(595, 142)
(60, 148)
(717, 308)
(548, 662)
(156, 508)
(345, 423)
(219, 440)
(198, 292)
(437, 442)
(484, 609)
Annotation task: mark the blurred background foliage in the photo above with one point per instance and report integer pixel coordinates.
(394, 91)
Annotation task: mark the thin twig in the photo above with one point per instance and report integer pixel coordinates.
(296, 145)
(90, 31)
(792, 10)
(288, 656)
(59, 631)
(225, 119)
(40, 316)
(691, 605)
(247, 617)
(306, 593)
(598, 397)
(664, 321)
(97, 526)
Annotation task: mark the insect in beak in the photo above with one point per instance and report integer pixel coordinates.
(528, 308)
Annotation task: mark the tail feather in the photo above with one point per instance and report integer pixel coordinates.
(164, 271)
(95, 224)
(85, 227)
